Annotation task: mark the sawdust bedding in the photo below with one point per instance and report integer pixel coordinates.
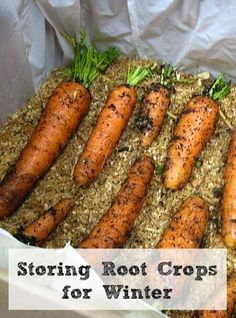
(90, 204)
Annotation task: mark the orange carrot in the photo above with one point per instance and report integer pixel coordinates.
(38, 231)
(114, 227)
(229, 198)
(153, 109)
(154, 106)
(188, 226)
(109, 127)
(231, 303)
(194, 128)
(64, 111)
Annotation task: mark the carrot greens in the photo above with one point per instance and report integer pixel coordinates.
(219, 88)
(166, 72)
(137, 74)
(88, 61)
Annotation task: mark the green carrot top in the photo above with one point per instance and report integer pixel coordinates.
(137, 74)
(88, 61)
(167, 79)
(219, 88)
(166, 73)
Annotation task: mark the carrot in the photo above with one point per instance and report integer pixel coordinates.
(231, 303)
(229, 197)
(188, 226)
(154, 106)
(114, 227)
(36, 232)
(194, 128)
(109, 127)
(64, 111)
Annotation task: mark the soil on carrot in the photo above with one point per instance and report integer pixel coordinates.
(90, 204)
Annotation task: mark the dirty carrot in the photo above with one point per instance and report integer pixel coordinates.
(109, 127)
(194, 128)
(65, 109)
(229, 197)
(154, 106)
(231, 302)
(113, 229)
(38, 231)
(188, 226)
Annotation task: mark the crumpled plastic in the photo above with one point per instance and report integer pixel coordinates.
(190, 34)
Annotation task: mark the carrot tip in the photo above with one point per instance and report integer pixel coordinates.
(28, 240)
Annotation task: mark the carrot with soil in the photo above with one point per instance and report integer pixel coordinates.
(38, 231)
(231, 302)
(65, 109)
(186, 230)
(188, 226)
(194, 128)
(109, 127)
(229, 197)
(113, 229)
(154, 106)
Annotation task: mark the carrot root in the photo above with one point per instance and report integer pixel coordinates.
(113, 229)
(188, 226)
(64, 110)
(38, 231)
(110, 125)
(194, 128)
(153, 110)
(229, 197)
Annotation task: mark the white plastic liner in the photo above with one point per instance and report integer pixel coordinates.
(187, 33)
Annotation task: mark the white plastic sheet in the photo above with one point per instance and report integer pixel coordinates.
(186, 33)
